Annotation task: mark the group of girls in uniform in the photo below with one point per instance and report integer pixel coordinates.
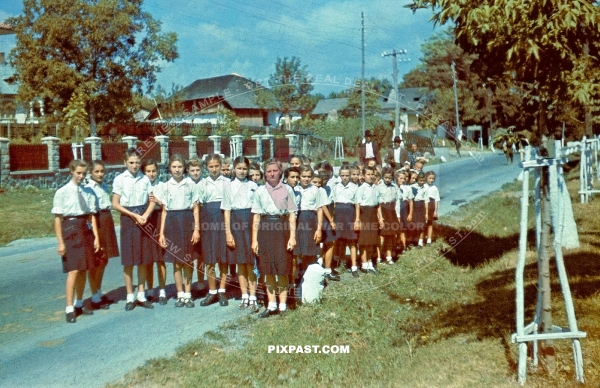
(231, 222)
(373, 212)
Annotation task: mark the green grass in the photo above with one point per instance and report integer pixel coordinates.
(26, 214)
(441, 316)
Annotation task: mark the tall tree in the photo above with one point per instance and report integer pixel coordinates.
(108, 49)
(546, 47)
(290, 88)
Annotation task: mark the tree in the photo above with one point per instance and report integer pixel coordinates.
(290, 88)
(375, 90)
(75, 116)
(107, 49)
(548, 48)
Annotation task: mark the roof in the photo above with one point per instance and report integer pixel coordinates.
(6, 29)
(410, 98)
(236, 90)
(327, 105)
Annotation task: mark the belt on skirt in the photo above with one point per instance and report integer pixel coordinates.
(104, 211)
(67, 218)
(274, 217)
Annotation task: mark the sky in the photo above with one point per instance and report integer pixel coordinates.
(221, 37)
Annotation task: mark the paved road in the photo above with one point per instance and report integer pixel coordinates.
(37, 347)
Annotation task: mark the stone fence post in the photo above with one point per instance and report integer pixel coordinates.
(293, 143)
(193, 152)
(216, 139)
(53, 152)
(4, 159)
(96, 146)
(238, 144)
(259, 150)
(163, 143)
(131, 141)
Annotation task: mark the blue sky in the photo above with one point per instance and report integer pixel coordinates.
(245, 37)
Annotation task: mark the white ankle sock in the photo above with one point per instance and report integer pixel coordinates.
(141, 296)
(69, 309)
(354, 268)
(222, 290)
(282, 307)
(244, 296)
(130, 298)
(252, 298)
(96, 298)
(272, 306)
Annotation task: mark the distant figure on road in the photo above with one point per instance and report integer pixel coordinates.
(413, 154)
(397, 155)
(369, 150)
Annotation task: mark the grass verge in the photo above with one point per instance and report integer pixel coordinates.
(440, 317)
(26, 214)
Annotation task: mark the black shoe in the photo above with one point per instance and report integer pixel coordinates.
(244, 305)
(99, 306)
(189, 304)
(151, 299)
(70, 317)
(106, 300)
(267, 313)
(162, 300)
(282, 312)
(180, 302)
(355, 274)
(335, 271)
(419, 246)
(373, 271)
(145, 304)
(129, 306)
(82, 311)
(223, 299)
(333, 277)
(363, 270)
(210, 299)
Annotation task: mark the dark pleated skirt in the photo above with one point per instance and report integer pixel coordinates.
(156, 251)
(369, 230)
(306, 226)
(179, 228)
(108, 237)
(418, 222)
(241, 228)
(344, 216)
(214, 246)
(273, 255)
(79, 245)
(404, 208)
(391, 225)
(134, 239)
(430, 211)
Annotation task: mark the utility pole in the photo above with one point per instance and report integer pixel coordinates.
(362, 82)
(458, 130)
(394, 54)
